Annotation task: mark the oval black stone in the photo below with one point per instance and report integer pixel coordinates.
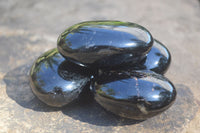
(105, 43)
(55, 81)
(136, 95)
(158, 60)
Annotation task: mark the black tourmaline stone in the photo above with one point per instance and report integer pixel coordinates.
(158, 60)
(55, 81)
(105, 43)
(136, 95)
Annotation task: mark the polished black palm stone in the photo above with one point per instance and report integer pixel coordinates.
(158, 60)
(136, 94)
(55, 81)
(120, 62)
(105, 43)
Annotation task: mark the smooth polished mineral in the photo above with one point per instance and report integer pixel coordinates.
(105, 43)
(158, 60)
(55, 81)
(137, 95)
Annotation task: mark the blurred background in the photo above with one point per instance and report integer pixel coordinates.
(30, 27)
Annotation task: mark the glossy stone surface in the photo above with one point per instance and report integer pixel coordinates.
(158, 60)
(55, 81)
(136, 95)
(105, 43)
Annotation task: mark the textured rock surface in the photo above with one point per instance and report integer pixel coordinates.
(29, 28)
